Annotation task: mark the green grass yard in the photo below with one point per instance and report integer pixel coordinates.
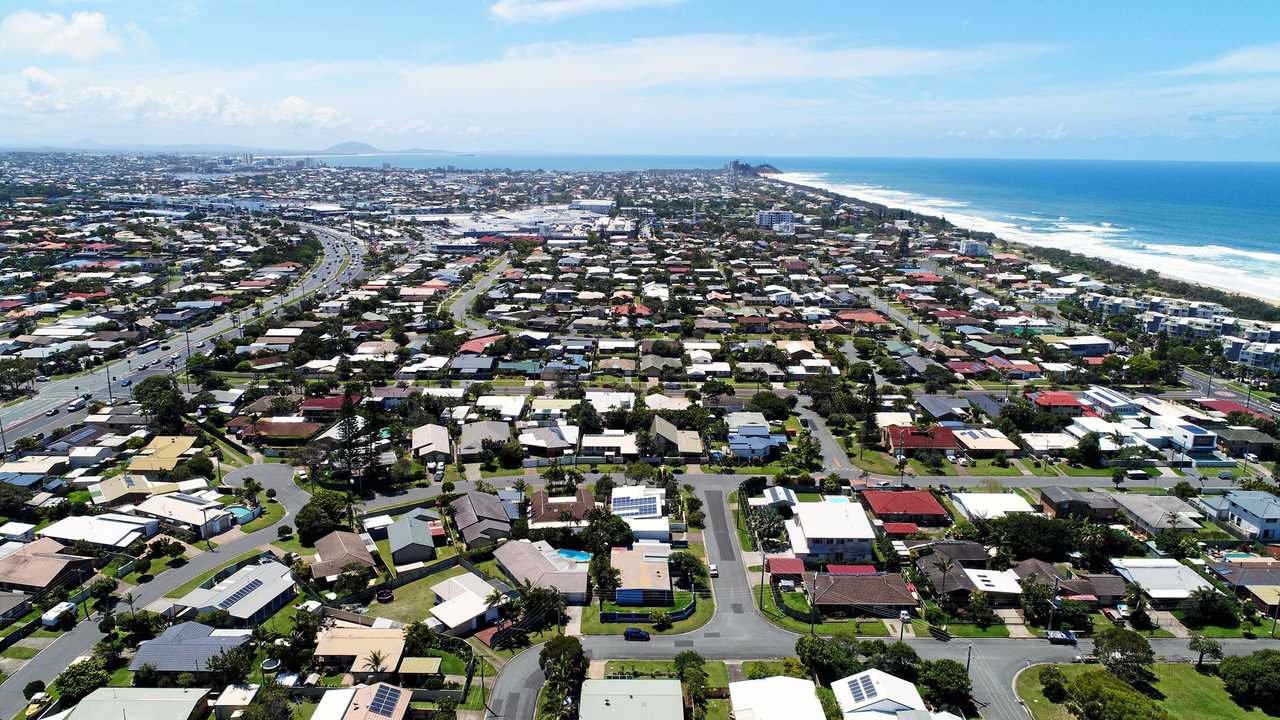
(413, 602)
(194, 583)
(846, 628)
(717, 673)
(272, 512)
(1182, 690)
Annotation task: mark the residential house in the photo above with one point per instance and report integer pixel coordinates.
(645, 575)
(250, 595)
(542, 565)
(775, 698)
(462, 604)
(204, 518)
(671, 442)
(1058, 501)
(881, 593)
(547, 511)
(633, 699)
(42, 564)
(909, 506)
(480, 518)
(1251, 514)
(410, 537)
(824, 532)
(187, 648)
(474, 435)
(336, 551)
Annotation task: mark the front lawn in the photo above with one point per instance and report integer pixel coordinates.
(717, 673)
(592, 625)
(1180, 689)
(272, 512)
(844, 628)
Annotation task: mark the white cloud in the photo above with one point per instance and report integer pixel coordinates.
(1254, 60)
(549, 10)
(78, 36)
(36, 81)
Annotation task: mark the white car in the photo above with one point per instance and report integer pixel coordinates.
(713, 571)
(1251, 457)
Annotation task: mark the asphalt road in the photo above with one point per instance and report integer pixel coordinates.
(343, 262)
(461, 307)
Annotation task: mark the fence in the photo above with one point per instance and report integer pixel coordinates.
(404, 578)
(683, 613)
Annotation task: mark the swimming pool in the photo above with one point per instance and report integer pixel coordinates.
(575, 555)
(242, 513)
(836, 498)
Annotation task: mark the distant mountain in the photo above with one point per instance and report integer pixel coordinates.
(350, 148)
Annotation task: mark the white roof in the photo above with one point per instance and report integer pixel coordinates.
(111, 529)
(182, 508)
(874, 694)
(775, 698)
(834, 520)
(464, 598)
(1161, 578)
(1004, 582)
(333, 704)
(989, 505)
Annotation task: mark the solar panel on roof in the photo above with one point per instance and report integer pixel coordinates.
(385, 700)
(240, 594)
(633, 506)
(856, 691)
(868, 687)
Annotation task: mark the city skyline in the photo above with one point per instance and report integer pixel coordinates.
(649, 76)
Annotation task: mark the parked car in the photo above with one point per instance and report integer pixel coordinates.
(1251, 457)
(1061, 637)
(635, 633)
(713, 570)
(1085, 659)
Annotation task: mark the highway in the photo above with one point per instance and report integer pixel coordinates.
(343, 262)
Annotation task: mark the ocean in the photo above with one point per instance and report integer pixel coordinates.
(1206, 222)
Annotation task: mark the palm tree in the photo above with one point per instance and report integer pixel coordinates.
(374, 662)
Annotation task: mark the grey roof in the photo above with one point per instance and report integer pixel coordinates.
(244, 593)
(411, 528)
(538, 563)
(1258, 502)
(940, 407)
(186, 647)
(1159, 511)
(476, 512)
(473, 435)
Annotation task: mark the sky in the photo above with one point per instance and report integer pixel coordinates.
(1167, 80)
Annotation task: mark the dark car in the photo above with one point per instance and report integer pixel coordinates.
(634, 633)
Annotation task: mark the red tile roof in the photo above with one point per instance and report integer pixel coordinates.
(1057, 398)
(785, 566)
(852, 569)
(903, 502)
(478, 345)
(907, 437)
(900, 528)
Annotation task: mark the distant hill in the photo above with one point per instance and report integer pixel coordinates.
(350, 148)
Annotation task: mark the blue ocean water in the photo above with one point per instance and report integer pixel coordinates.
(1214, 223)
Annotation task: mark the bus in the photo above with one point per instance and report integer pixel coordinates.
(146, 347)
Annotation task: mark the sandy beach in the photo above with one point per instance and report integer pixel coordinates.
(1207, 265)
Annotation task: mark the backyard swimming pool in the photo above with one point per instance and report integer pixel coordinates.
(836, 498)
(575, 555)
(242, 513)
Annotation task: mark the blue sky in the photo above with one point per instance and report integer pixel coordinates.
(1134, 80)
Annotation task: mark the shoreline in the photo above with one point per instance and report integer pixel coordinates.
(1079, 240)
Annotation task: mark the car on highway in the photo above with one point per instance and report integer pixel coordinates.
(635, 633)
(126, 382)
(1061, 637)
(51, 411)
(166, 347)
(42, 378)
(713, 570)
